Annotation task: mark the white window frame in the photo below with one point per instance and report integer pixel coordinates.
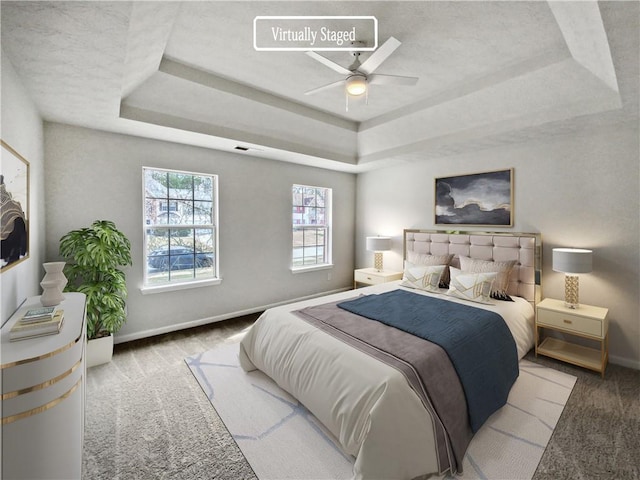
(181, 284)
(327, 227)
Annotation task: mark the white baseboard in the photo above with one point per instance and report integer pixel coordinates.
(218, 318)
(625, 362)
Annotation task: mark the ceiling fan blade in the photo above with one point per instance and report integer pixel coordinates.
(324, 87)
(378, 79)
(329, 63)
(379, 56)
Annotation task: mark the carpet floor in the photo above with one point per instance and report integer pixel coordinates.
(147, 417)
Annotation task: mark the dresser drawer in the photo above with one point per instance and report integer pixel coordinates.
(571, 323)
(363, 277)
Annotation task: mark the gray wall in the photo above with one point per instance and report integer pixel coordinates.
(577, 191)
(97, 175)
(22, 130)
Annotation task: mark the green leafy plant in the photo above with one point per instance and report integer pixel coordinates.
(93, 257)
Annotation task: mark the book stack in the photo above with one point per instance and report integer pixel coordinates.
(37, 322)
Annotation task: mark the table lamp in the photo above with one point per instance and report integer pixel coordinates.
(571, 261)
(378, 245)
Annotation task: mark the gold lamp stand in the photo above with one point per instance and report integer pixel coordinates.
(377, 261)
(571, 289)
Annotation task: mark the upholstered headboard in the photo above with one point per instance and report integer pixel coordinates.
(524, 248)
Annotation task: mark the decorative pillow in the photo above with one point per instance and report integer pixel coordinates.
(422, 277)
(429, 260)
(503, 269)
(471, 286)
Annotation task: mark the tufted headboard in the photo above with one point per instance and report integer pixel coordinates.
(524, 248)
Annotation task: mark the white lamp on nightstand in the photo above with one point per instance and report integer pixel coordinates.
(571, 261)
(378, 245)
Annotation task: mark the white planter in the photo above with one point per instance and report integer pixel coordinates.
(99, 351)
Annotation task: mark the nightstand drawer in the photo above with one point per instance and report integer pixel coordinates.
(363, 277)
(572, 323)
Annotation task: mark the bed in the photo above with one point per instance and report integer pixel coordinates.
(373, 407)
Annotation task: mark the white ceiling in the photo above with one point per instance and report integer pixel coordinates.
(490, 73)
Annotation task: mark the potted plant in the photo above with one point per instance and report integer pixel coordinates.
(94, 255)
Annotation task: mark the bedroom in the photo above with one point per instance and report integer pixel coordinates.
(575, 180)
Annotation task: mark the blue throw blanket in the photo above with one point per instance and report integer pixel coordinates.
(478, 342)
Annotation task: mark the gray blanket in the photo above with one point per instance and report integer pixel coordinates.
(425, 365)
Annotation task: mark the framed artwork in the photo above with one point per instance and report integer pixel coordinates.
(483, 199)
(14, 207)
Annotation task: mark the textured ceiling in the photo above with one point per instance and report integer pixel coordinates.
(489, 73)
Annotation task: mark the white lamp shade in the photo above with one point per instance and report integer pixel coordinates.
(572, 260)
(378, 244)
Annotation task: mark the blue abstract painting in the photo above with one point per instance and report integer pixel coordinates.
(476, 199)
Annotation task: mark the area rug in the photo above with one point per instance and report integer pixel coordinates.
(282, 440)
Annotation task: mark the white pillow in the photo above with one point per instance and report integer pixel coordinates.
(471, 286)
(422, 277)
(503, 269)
(427, 259)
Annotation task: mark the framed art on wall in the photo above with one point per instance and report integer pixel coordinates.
(477, 199)
(14, 207)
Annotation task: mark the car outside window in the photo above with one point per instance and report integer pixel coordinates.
(180, 226)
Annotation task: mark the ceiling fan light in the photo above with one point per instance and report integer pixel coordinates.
(356, 85)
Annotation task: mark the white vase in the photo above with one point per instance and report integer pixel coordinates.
(53, 284)
(51, 293)
(54, 271)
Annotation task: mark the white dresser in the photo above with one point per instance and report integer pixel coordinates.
(43, 397)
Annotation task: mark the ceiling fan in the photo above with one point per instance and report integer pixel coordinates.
(360, 75)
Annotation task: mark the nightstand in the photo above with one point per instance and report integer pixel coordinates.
(371, 276)
(586, 321)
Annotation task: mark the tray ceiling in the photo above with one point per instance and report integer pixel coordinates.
(490, 73)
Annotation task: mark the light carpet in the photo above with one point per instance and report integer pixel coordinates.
(282, 440)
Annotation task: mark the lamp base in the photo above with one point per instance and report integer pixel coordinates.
(571, 288)
(377, 261)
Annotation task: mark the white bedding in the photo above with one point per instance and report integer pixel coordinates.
(367, 405)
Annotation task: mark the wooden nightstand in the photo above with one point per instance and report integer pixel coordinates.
(585, 321)
(371, 276)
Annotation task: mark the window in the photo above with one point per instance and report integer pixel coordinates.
(180, 227)
(168, 206)
(311, 220)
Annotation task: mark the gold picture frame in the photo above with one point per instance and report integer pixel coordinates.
(14, 207)
(477, 199)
